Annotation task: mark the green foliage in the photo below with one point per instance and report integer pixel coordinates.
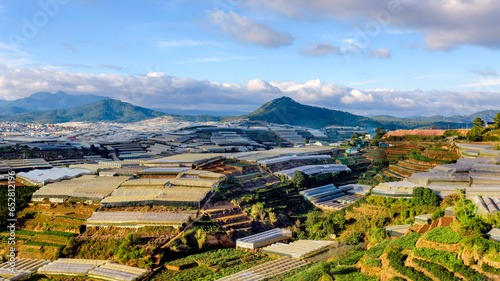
(377, 250)
(450, 260)
(474, 225)
(38, 243)
(355, 238)
(397, 259)
(407, 241)
(478, 122)
(372, 262)
(443, 235)
(441, 272)
(488, 268)
(425, 196)
(439, 213)
(22, 195)
(299, 179)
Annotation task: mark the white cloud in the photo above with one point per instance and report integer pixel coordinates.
(356, 96)
(319, 49)
(445, 24)
(183, 43)
(246, 30)
(381, 53)
(159, 90)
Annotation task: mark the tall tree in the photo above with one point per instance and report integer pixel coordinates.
(478, 122)
(497, 121)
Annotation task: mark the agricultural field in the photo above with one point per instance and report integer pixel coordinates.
(210, 265)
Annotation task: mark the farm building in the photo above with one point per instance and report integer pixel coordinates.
(315, 170)
(138, 219)
(41, 177)
(494, 234)
(99, 269)
(450, 211)
(299, 249)
(278, 160)
(351, 151)
(322, 193)
(189, 188)
(263, 239)
(265, 270)
(477, 176)
(487, 206)
(397, 230)
(423, 219)
(191, 160)
(24, 268)
(88, 187)
(356, 189)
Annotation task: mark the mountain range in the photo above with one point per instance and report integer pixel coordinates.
(60, 107)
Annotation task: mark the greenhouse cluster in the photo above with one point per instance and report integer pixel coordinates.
(24, 268)
(138, 219)
(263, 239)
(266, 270)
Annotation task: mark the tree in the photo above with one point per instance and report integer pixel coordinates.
(478, 122)
(380, 132)
(497, 121)
(299, 179)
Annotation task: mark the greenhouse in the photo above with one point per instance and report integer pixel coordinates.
(84, 188)
(263, 239)
(265, 270)
(117, 272)
(138, 219)
(99, 269)
(322, 193)
(24, 268)
(315, 170)
(487, 206)
(70, 267)
(299, 249)
(41, 177)
(293, 158)
(397, 230)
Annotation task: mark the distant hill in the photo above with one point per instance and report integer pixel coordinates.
(442, 122)
(285, 110)
(105, 110)
(45, 101)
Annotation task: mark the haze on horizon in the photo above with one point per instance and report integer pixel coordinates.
(392, 57)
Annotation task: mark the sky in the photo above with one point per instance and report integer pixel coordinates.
(368, 57)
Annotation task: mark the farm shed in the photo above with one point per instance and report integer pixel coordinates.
(423, 219)
(356, 189)
(138, 219)
(263, 239)
(494, 234)
(299, 249)
(265, 270)
(397, 230)
(322, 193)
(449, 211)
(24, 268)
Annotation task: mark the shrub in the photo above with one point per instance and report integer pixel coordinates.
(441, 272)
(377, 250)
(397, 259)
(407, 241)
(443, 235)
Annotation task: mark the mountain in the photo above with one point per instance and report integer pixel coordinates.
(285, 110)
(45, 101)
(105, 110)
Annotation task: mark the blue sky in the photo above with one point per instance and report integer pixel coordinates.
(396, 57)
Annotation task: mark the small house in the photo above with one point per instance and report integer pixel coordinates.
(494, 234)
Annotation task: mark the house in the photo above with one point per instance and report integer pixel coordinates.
(397, 230)
(383, 144)
(494, 234)
(351, 150)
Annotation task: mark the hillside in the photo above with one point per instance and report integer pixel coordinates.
(105, 110)
(285, 110)
(45, 101)
(442, 122)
